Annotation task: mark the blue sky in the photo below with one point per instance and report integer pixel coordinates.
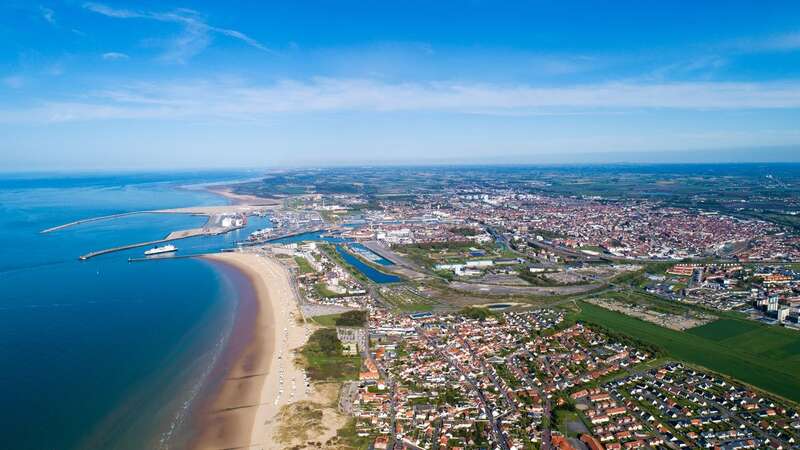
(102, 85)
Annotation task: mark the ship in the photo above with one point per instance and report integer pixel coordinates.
(162, 249)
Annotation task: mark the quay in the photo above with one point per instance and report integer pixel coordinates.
(174, 236)
(164, 258)
(174, 256)
(280, 236)
(293, 233)
(121, 248)
(218, 222)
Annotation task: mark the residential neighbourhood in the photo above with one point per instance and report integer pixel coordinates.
(530, 380)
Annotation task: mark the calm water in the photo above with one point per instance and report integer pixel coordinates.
(377, 258)
(373, 274)
(105, 353)
(370, 272)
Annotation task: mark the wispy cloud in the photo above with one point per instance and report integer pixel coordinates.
(48, 15)
(775, 43)
(115, 56)
(113, 12)
(227, 100)
(698, 67)
(13, 81)
(786, 41)
(196, 33)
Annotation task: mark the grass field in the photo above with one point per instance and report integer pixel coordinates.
(724, 329)
(322, 290)
(406, 301)
(303, 265)
(768, 341)
(328, 320)
(765, 357)
(346, 319)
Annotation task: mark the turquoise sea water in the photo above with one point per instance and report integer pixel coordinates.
(105, 353)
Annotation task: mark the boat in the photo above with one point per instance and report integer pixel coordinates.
(162, 249)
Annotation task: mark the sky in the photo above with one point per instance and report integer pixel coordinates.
(188, 84)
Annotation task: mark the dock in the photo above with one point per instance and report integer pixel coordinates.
(292, 234)
(167, 258)
(123, 247)
(280, 236)
(174, 236)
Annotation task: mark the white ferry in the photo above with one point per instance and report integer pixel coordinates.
(162, 249)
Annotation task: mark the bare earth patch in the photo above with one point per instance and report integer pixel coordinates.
(671, 321)
(311, 423)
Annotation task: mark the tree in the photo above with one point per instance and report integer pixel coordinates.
(352, 319)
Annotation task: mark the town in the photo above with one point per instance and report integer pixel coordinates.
(534, 380)
(497, 317)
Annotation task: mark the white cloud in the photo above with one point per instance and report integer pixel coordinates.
(115, 56)
(698, 67)
(194, 38)
(237, 100)
(48, 14)
(112, 12)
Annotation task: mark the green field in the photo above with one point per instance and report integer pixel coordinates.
(406, 301)
(772, 342)
(327, 320)
(322, 290)
(760, 355)
(724, 329)
(303, 265)
(323, 359)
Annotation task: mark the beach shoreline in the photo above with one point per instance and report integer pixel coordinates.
(242, 199)
(262, 376)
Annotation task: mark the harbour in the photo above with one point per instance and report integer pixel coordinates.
(220, 220)
(142, 393)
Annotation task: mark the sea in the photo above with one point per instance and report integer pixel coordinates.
(107, 353)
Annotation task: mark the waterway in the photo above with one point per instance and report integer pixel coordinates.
(370, 272)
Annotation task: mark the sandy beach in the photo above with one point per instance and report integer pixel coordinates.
(243, 199)
(264, 377)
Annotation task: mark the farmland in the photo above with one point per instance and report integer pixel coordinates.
(775, 343)
(762, 356)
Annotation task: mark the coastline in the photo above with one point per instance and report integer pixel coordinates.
(261, 376)
(242, 199)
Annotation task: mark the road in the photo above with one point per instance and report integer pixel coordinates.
(723, 410)
(497, 433)
(513, 359)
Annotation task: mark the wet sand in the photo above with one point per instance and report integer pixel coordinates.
(243, 199)
(263, 376)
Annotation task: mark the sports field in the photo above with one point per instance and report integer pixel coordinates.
(766, 357)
